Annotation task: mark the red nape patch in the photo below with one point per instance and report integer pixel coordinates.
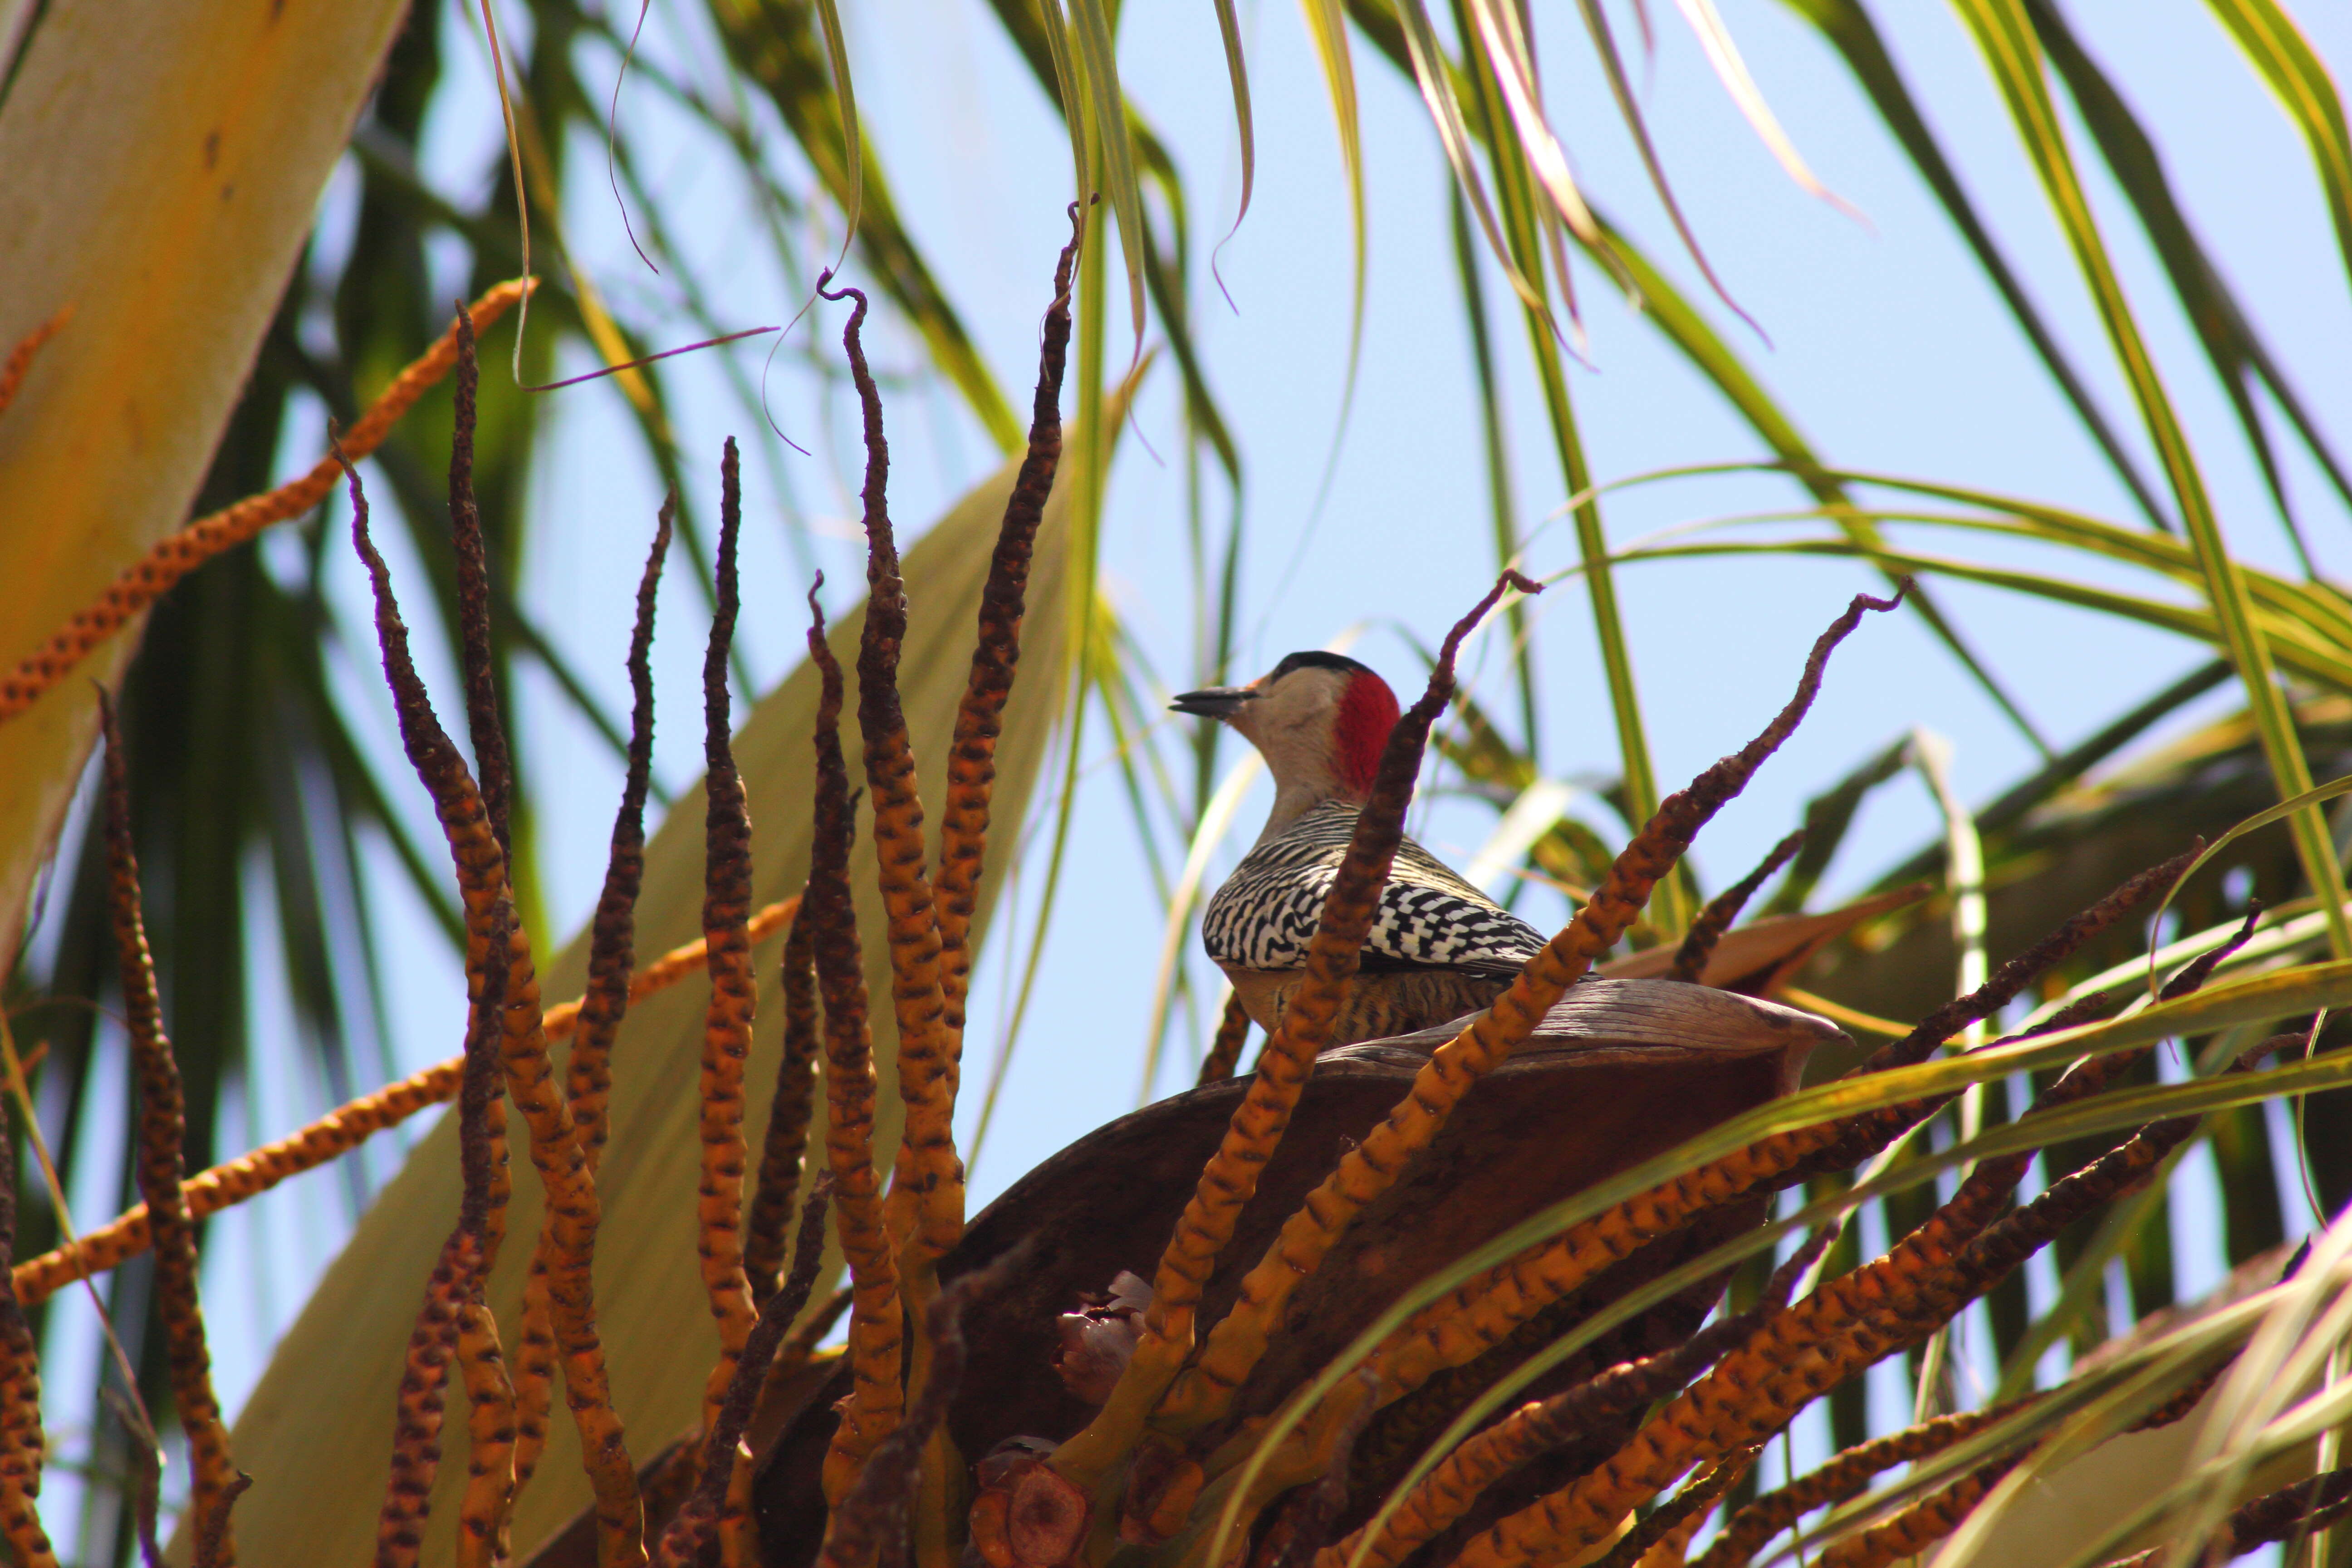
(1368, 711)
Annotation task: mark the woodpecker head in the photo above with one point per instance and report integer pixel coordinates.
(1321, 719)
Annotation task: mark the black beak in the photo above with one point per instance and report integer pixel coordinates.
(1215, 702)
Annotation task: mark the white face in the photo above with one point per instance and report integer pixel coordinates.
(1289, 721)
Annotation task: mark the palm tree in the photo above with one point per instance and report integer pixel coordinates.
(253, 745)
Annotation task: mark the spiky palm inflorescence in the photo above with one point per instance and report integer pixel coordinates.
(1221, 1424)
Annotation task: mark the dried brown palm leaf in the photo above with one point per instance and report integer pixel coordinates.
(1761, 957)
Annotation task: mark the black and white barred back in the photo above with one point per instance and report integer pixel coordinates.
(1265, 915)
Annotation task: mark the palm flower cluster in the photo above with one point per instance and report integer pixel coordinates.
(1458, 1298)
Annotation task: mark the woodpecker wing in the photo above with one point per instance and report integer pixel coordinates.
(1265, 915)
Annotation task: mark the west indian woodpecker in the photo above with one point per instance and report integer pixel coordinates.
(1438, 948)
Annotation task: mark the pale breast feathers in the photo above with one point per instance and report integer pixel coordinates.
(1266, 913)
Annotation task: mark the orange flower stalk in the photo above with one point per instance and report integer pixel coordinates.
(1368, 1169)
(1225, 1050)
(2296, 1512)
(1922, 1524)
(930, 1174)
(1699, 943)
(701, 1516)
(529, 1396)
(212, 1530)
(492, 1477)
(488, 1501)
(1851, 1321)
(927, 1185)
(163, 1137)
(1799, 1355)
(493, 767)
(1230, 1179)
(1836, 1332)
(1447, 1492)
(332, 1135)
(1670, 1526)
(559, 1303)
(612, 947)
(876, 1330)
(1845, 1475)
(453, 1294)
(972, 754)
(20, 358)
(417, 1426)
(727, 1021)
(861, 1524)
(172, 558)
(1470, 1320)
(21, 1442)
(569, 1223)
(474, 849)
(789, 1108)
